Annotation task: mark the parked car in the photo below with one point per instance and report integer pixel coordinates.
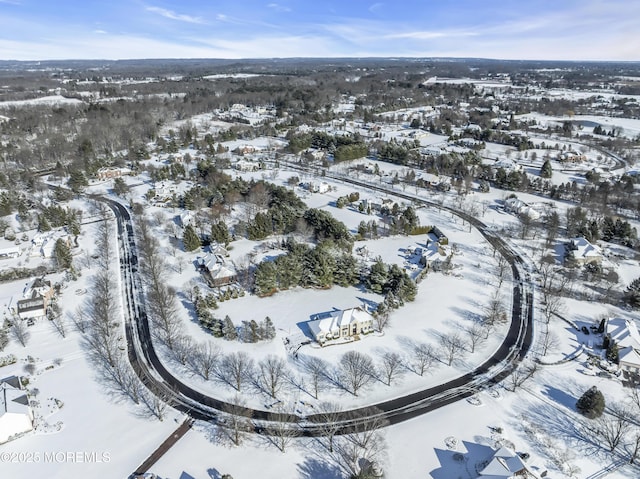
(585, 330)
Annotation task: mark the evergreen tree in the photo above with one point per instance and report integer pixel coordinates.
(378, 276)
(632, 294)
(546, 171)
(43, 224)
(77, 181)
(4, 338)
(229, 330)
(217, 328)
(591, 403)
(254, 331)
(613, 354)
(190, 239)
(220, 233)
(62, 255)
(269, 329)
(266, 278)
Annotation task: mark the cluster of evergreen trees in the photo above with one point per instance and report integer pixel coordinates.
(326, 226)
(310, 267)
(342, 147)
(284, 211)
(607, 228)
(55, 216)
(249, 332)
(392, 281)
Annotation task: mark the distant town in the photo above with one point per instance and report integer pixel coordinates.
(343, 268)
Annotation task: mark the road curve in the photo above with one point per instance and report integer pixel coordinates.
(155, 375)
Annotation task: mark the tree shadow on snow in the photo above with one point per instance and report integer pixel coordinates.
(561, 397)
(313, 468)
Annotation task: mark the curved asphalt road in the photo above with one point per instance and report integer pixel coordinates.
(153, 373)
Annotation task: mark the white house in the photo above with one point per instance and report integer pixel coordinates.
(625, 334)
(582, 252)
(33, 307)
(16, 417)
(506, 464)
(344, 323)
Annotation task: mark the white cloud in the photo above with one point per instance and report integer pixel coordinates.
(375, 7)
(175, 16)
(279, 8)
(100, 32)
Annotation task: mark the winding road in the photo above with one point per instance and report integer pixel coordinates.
(154, 374)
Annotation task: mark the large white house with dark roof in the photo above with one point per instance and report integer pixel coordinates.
(338, 324)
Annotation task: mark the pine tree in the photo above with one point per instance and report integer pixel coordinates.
(613, 354)
(229, 330)
(269, 329)
(62, 254)
(190, 239)
(216, 328)
(591, 403)
(547, 170)
(254, 331)
(632, 293)
(4, 338)
(220, 233)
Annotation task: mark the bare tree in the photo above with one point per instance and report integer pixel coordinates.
(524, 371)
(381, 319)
(424, 357)
(281, 433)
(236, 420)
(317, 370)
(79, 319)
(19, 331)
(612, 427)
(391, 367)
(154, 401)
(58, 323)
(495, 312)
(183, 349)
(205, 358)
(362, 453)
(235, 369)
(355, 371)
(163, 314)
(502, 269)
(476, 336)
(271, 374)
(553, 305)
(550, 342)
(328, 422)
(451, 346)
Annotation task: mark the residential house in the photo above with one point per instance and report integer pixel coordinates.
(337, 324)
(248, 166)
(39, 287)
(112, 172)
(507, 165)
(216, 270)
(432, 256)
(506, 464)
(520, 208)
(32, 307)
(625, 334)
(16, 417)
(580, 251)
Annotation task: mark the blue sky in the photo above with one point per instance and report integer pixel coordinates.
(505, 29)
